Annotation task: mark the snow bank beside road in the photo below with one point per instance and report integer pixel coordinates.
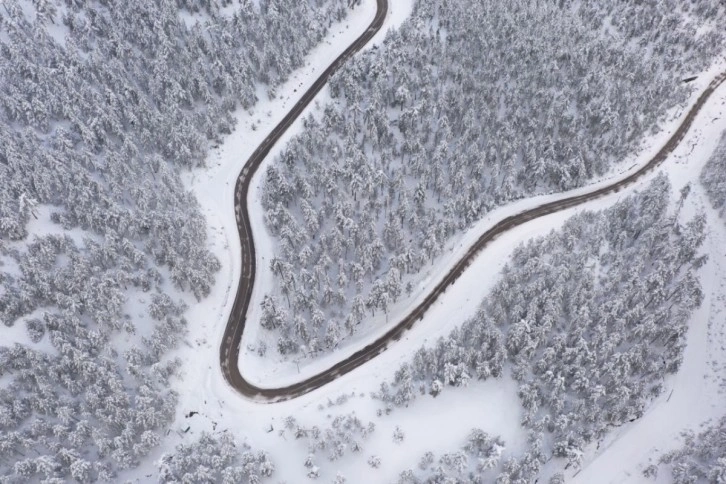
(220, 407)
(275, 371)
(695, 394)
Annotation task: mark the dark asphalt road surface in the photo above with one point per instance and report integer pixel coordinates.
(230, 347)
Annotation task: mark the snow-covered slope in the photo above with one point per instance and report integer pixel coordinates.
(273, 371)
(493, 406)
(220, 408)
(696, 395)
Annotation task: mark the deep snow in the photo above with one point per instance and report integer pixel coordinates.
(695, 395)
(431, 424)
(273, 370)
(692, 397)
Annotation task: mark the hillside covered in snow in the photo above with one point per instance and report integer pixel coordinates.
(103, 106)
(468, 107)
(582, 345)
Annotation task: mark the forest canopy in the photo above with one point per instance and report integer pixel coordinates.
(103, 105)
(588, 321)
(468, 106)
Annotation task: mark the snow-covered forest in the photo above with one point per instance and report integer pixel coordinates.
(588, 321)
(214, 459)
(468, 106)
(103, 105)
(702, 456)
(713, 178)
(701, 459)
(117, 273)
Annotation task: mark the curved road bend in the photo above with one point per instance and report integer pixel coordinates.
(229, 350)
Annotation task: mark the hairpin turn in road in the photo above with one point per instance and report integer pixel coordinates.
(230, 346)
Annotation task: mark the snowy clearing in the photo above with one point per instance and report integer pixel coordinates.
(495, 408)
(695, 395)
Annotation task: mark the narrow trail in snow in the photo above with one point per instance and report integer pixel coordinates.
(230, 347)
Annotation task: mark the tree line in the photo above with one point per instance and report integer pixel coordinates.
(103, 106)
(468, 106)
(588, 320)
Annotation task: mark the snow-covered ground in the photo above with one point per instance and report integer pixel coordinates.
(693, 396)
(274, 371)
(491, 406)
(696, 395)
(40, 225)
(431, 424)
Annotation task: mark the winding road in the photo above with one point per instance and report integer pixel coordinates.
(230, 347)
